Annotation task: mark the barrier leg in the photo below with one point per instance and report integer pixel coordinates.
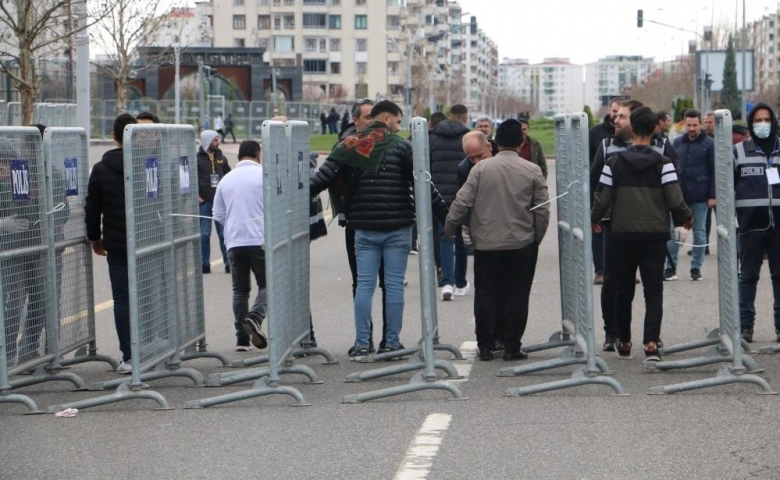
(447, 367)
(259, 389)
(713, 338)
(250, 361)
(578, 378)
(88, 354)
(556, 340)
(123, 392)
(42, 374)
(315, 351)
(724, 377)
(6, 397)
(223, 379)
(418, 383)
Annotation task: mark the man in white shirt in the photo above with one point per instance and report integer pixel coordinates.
(238, 205)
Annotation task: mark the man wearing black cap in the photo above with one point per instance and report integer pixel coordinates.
(507, 199)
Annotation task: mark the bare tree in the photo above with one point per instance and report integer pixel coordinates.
(338, 93)
(34, 29)
(128, 25)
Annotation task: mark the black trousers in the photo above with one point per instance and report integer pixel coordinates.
(502, 287)
(349, 235)
(649, 257)
(609, 287)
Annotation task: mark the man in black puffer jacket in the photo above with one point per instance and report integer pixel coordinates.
(106, 201)
(446, 147)
(377, 169)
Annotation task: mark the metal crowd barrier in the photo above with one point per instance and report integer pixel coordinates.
(423, 356)
(3, 113)
(575, 256)
(14, 113)
(286, 204)
(728, 347)
(159, 178)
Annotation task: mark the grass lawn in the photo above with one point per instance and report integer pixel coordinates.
(541, 130)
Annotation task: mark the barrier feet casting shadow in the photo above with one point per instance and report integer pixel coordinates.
(198, 350)
(161, 370)
(260, 388)
(725, 376)
(32, 407)
(125, 391)
(578, 378)
(223, 379)
(418, 383)
(88, 353)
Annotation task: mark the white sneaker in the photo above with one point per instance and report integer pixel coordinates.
(462, 292)
(125, 368)
(446, 293)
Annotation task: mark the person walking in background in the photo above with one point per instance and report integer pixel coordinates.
(238, 205)
(324, 122)
(756, 190)
(531, 149)
(640, 186)
(104, 214)
(219, 125)
(229, 124)
(212, 166)
(446, 151)
(506, 234)
(345, 120)
(333, 121)
(696, 164)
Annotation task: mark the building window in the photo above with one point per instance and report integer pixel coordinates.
(314, 20)
(361, 22)
(335, 45)
(392, 68)
(284, 44)
(335, 67)
(277, 22)
(238, 3)
(261, 3)
(289, 22)
(309, 44)
(314, 66)
(360, 2)
(396, 3)
(262, 43)
(239, 22)
(334, 22)
(361, 45)
(393, 22)
(323, 45)
(289, 2)
(263, 22)
(361, 90)
(314, 2)
(335, 2)
(361, 68)
(238, 42)
(392, 46)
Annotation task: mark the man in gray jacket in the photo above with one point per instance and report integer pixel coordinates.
(507, 197)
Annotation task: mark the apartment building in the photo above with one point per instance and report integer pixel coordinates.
(613, 74)
(553, 86)
(763, 37)
(360, 48)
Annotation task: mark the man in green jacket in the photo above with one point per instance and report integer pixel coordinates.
(642, 188)
(531, 149)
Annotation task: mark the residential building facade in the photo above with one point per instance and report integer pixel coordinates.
(614, 74)
(553, 86)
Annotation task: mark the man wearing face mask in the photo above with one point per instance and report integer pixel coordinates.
(757, 197)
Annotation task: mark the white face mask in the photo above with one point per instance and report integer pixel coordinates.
(762, 130)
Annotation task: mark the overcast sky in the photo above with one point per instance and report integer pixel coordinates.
(586, 30)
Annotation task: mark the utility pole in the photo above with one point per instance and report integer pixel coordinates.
(744, 64)
(177, 85)
(82, 75)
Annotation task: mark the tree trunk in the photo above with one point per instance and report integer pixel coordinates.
(121, 96)
(28, 88)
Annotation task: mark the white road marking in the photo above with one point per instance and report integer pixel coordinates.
(469, 351)
(419, 457)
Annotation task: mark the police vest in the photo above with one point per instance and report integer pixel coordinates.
(610, 147)
(757, 203)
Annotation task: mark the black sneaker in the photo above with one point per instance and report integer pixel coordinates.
(242, 344)
(623, 350)
(485, 356)
(609, 344)
(518, 355)
(206, 268)
(253, 328)
(388, 348)
(695, 274)
(670, 274)
(651, 352)
(747, 334)
(356, 353)
(498, 346)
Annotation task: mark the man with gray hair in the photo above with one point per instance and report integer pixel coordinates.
(484, 124)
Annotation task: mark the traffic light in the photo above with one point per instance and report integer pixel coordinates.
(639, 18)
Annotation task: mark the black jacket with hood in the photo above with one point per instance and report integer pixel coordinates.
(446, 149)
(599, 133)
(642, 188)
(757, 202)
(106, 199)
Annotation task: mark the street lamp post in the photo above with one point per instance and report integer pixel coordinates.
(744, 64)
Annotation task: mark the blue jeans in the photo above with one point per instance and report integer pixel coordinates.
(120, 291)
(752, 247)
(205, 235)
(699, 210)
(447, 252)
(371, 247)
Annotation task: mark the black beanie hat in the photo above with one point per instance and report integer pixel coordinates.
(509, 134)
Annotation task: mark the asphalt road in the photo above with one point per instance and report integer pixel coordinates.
(726, 432)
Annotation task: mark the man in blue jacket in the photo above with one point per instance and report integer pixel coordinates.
(696, 164)
(757, 202)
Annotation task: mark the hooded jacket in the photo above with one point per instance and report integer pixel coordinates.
(757, 203)
(446, 147)
(106, 201)
(642, 188)
(696, 166)
(206, 167)
(598, 133)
